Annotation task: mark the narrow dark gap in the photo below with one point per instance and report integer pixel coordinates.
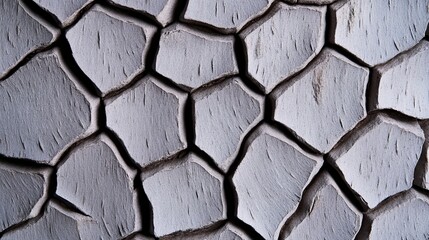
(68, 205)
(179, 10)
(269, 108)
(268, 12)
(372, 90)
(152, 52)
(247, 229)
(146, 210)
(19, 225)
(365, 228)
(42, 13)
(189, 121)
(23, 163)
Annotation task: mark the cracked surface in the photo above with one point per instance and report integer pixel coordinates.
(63, 10)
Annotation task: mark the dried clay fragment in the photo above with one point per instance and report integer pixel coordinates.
(325, 213)
(376, 31)
(191, 196)
(270, 180)
(112, 43)
(422, 168)
(405, 217)
(65, 11)
(384, 146)
(95, 179)
(227, 232)
(283, 42)
(162, 10)
(19, 34)
(52, 110)
(224, 114)
(21, 195)
(323, 102)
(402, 84)
(149, 120)
(225, 15)
(316, 2)
(192, 58)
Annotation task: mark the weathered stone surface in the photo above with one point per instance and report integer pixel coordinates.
(191, 196)
(45, 110)
(97, 181)
(276, 50)
(316, 2)
(226, 15)
(382, 29)
(65, 11)
(161, 10)
(227, 232)
(153, 128)
(403, 218)
(19, 34)
(383, 146)
(323, 102)
(111, 42)
(422, 169)
(192, 58)
(21, 193)
(53, 225)
(224, 114)
(402, 84)
(325, 213)
(270, 180)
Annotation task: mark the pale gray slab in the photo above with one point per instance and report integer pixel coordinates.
(227, 232)
(283, 42)
(325, 214)
(161, 10)
(45, 110)
(96, 180)
(323, 102)
(224, 114)
(109, 48)
(21, 192)
(376, 31)
(191, 196)
(379, 159)
(270, 180)
(19, 34)
(225, 15)
(403, 85)
(66, 10)
(192, 58)
(149, 120)
(316, 2)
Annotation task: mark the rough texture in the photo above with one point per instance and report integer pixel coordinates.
(223, 115)
(316, 2)
(402, 84)
(45, 110)
(422, 168)
(19, 34)
(385, 146)
(276, 50)
(102, 189)
(161, 10)
(227, 232)
(112, 43)
(20, 191)
(325, 213)
(324, 102)
(151, 131)
(65, 11)
(404, 218)
(192, 58)
(382, 28)
(270, 180)
(225, 15)
(191, 196)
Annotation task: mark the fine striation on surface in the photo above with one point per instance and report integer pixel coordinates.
(316, 2)
(20, 192)
(19, 34)
(402, 84)
(227, 232)
(224, 114)
(45, 110)
(225, 15)
(324, 213)
(376, 31)
(191, 196)
(161, 10)
(384, 146)
(95, 179)
(192, 58)
(270, 180)
(110, 49)
(323, 102)
(148, 118)
(64, 11)
(422, 169)
(283, 42)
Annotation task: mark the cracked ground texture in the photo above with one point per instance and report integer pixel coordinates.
(214, 119)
